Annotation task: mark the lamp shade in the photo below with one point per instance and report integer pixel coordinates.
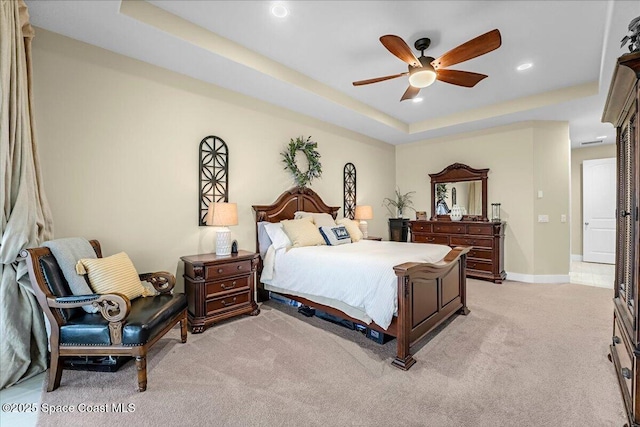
(222, 214)
(363, 212)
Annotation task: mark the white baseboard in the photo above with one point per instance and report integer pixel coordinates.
(576, 257)
(538, 278)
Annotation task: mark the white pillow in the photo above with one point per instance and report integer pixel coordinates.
(319, 219)
(352, 228)
(336, 235)
(277, 235)
(264, 241)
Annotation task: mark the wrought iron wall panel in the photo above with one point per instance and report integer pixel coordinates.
(214, 174)
(349, 185)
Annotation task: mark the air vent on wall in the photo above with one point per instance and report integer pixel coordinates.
(597, 141)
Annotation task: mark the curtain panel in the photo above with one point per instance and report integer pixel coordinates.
(25, 218)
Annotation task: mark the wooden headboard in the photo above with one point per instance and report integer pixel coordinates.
(290, 202)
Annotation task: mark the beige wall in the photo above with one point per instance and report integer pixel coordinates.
(119, 141)
(520, 158)
(578, 155)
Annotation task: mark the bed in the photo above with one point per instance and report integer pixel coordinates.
(424, 294)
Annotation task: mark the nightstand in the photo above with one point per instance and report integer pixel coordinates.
(219, 287)
(373, 238)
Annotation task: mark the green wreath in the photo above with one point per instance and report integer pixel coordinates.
(308, 147)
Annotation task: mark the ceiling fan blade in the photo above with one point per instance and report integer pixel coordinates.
(459, 78)
(469, 50)
(399, 48)
(410, 93)
(378, 79)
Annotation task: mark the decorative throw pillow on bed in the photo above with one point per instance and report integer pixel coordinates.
(112, 274)
(336, 235)
(302, 232)
(319, 219)
(352, 228)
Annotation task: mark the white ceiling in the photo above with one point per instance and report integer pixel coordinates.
(307, 61)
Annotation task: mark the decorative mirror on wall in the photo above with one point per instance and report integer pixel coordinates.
(349, 185)
(462, 186)
(214, 174)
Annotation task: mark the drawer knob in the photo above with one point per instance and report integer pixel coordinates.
(239, 267)
(616, 340)
(227, 304)
(219, 270)
(233, 285)
(626, 372)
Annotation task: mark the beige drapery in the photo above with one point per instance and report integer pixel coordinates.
(474, 201)
(25, 219)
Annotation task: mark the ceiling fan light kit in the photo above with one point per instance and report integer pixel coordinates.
(425, 70)
(422, 76)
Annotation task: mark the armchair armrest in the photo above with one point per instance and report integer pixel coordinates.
(162, 281)
(113, 307)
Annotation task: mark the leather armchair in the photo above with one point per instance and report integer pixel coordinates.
(121, 327)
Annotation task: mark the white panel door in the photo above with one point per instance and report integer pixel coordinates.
(599, 210)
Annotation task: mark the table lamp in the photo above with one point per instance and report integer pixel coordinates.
(222, 215)
(363, 212)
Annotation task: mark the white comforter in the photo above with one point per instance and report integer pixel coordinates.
(358, 274)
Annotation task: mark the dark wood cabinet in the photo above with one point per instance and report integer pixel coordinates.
(621, 110)
(219, 287)
(485, 261)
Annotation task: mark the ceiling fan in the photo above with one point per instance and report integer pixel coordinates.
(425, 70)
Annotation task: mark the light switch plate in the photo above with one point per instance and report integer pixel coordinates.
(543, 218)
(539, 194)
(563, 218)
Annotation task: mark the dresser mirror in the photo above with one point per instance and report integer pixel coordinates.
(462, 186)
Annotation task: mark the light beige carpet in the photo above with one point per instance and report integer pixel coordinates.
(526, 355)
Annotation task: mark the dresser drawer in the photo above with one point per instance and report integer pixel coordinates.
(238, 284)
(226, 270)
(480, 229)
(227, 302)
(473, 264)
(480, 253)
(431, 238)
(418, 227)
(625, 368)
(478, 242)
(449, 228)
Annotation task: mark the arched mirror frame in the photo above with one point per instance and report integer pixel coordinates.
(459, 172)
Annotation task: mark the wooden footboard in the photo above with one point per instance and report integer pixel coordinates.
(428, 294)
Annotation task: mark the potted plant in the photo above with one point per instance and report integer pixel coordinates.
(399, 227)
(402, 202)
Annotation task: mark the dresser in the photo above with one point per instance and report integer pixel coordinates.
(621, 110)
(485, 261)
(219, 287)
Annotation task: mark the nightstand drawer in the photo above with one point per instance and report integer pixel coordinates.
(449, 228)
(482, 242)
(431, 238)
(227, 269)
(227, 302)
(241, 283)
(479, 229)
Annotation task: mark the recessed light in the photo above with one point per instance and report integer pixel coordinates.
(416, 100)
(279, 11)
(524, 66)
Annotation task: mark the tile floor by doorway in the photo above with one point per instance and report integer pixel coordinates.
(592, 274)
